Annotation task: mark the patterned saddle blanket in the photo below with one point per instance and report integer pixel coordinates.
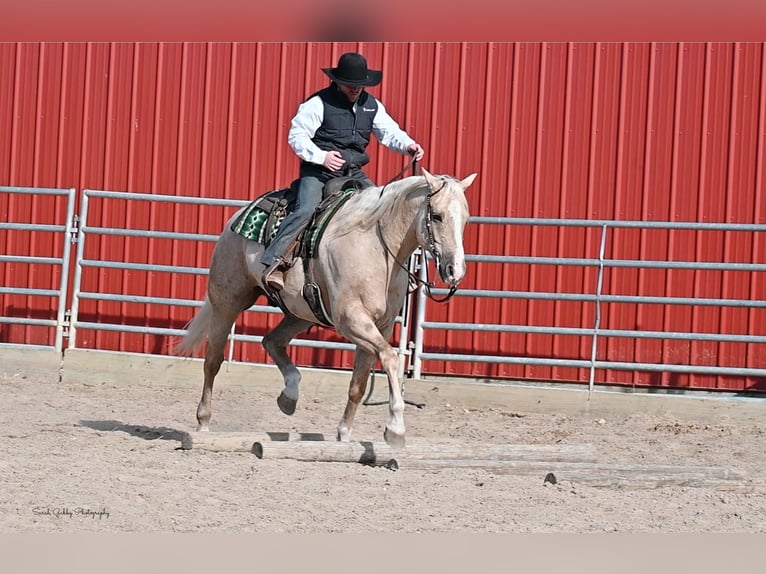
(261, 218)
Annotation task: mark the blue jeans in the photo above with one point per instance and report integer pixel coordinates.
(309, 196)
(307, 199)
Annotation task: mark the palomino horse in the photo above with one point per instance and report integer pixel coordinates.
(360, 270)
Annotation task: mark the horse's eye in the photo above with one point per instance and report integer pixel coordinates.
(437, 217)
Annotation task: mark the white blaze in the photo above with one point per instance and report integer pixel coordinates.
(457, 237)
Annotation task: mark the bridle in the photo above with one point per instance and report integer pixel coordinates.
(414, 280)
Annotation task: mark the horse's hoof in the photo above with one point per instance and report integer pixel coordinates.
(286, 404)
(203, 428)
(394, 440)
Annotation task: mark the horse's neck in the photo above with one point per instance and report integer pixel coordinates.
(400, 234)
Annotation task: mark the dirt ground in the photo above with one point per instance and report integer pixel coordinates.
(99, 451)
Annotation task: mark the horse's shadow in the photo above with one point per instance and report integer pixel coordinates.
(182, 437)
(140, 431)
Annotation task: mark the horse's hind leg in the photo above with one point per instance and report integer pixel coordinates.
(275, 344)
(218, 333)
(363, 362)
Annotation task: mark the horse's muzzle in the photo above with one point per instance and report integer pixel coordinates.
(451, 273)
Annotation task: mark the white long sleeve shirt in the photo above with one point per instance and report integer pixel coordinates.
(309, 118)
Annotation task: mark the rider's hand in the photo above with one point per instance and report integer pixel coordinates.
(416, 150)
(333, 161)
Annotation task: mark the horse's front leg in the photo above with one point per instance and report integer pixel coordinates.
(358, 326)
(275, 344)
(363, 362)
(394, 433)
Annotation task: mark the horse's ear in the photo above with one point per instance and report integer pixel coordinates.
(430, 179)
(466, 183)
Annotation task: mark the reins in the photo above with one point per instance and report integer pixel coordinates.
(413, 162)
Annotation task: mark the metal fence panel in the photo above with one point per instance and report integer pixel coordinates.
(122, 308)
(592, 356)
(35, 265)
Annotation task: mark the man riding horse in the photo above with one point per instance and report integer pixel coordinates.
(330, 133)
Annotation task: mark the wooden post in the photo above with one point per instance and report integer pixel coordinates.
(240, 441)
(602, 475)
(373, 452)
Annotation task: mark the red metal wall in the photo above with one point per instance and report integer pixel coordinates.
(585, 130)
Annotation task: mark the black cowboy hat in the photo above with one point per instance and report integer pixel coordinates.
(352, 71)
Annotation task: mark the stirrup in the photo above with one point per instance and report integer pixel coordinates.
(271, 282)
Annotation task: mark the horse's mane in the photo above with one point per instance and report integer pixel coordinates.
(368, 206)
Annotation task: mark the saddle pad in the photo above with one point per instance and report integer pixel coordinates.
(251, 223)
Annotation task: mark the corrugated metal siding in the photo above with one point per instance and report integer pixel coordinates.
(29, 96)
(742, 163)
(584, 130)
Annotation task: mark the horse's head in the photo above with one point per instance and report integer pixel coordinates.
(444, 216)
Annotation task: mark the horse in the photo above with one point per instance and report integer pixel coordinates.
(360, 271)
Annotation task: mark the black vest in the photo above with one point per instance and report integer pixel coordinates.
(343, 130)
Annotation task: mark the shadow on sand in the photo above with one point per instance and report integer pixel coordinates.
(183, 437)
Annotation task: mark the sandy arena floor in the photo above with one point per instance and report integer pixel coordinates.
(99, 451)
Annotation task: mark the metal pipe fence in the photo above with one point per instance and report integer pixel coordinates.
(62, 260)
(596, 333)
(417, 325)
(83, 265)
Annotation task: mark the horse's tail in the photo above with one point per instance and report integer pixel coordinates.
(197, 332)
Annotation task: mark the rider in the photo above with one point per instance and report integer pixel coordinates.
(330, 133)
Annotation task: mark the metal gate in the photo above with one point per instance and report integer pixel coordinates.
(35, 264)
(595, 337)
(89, 265)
